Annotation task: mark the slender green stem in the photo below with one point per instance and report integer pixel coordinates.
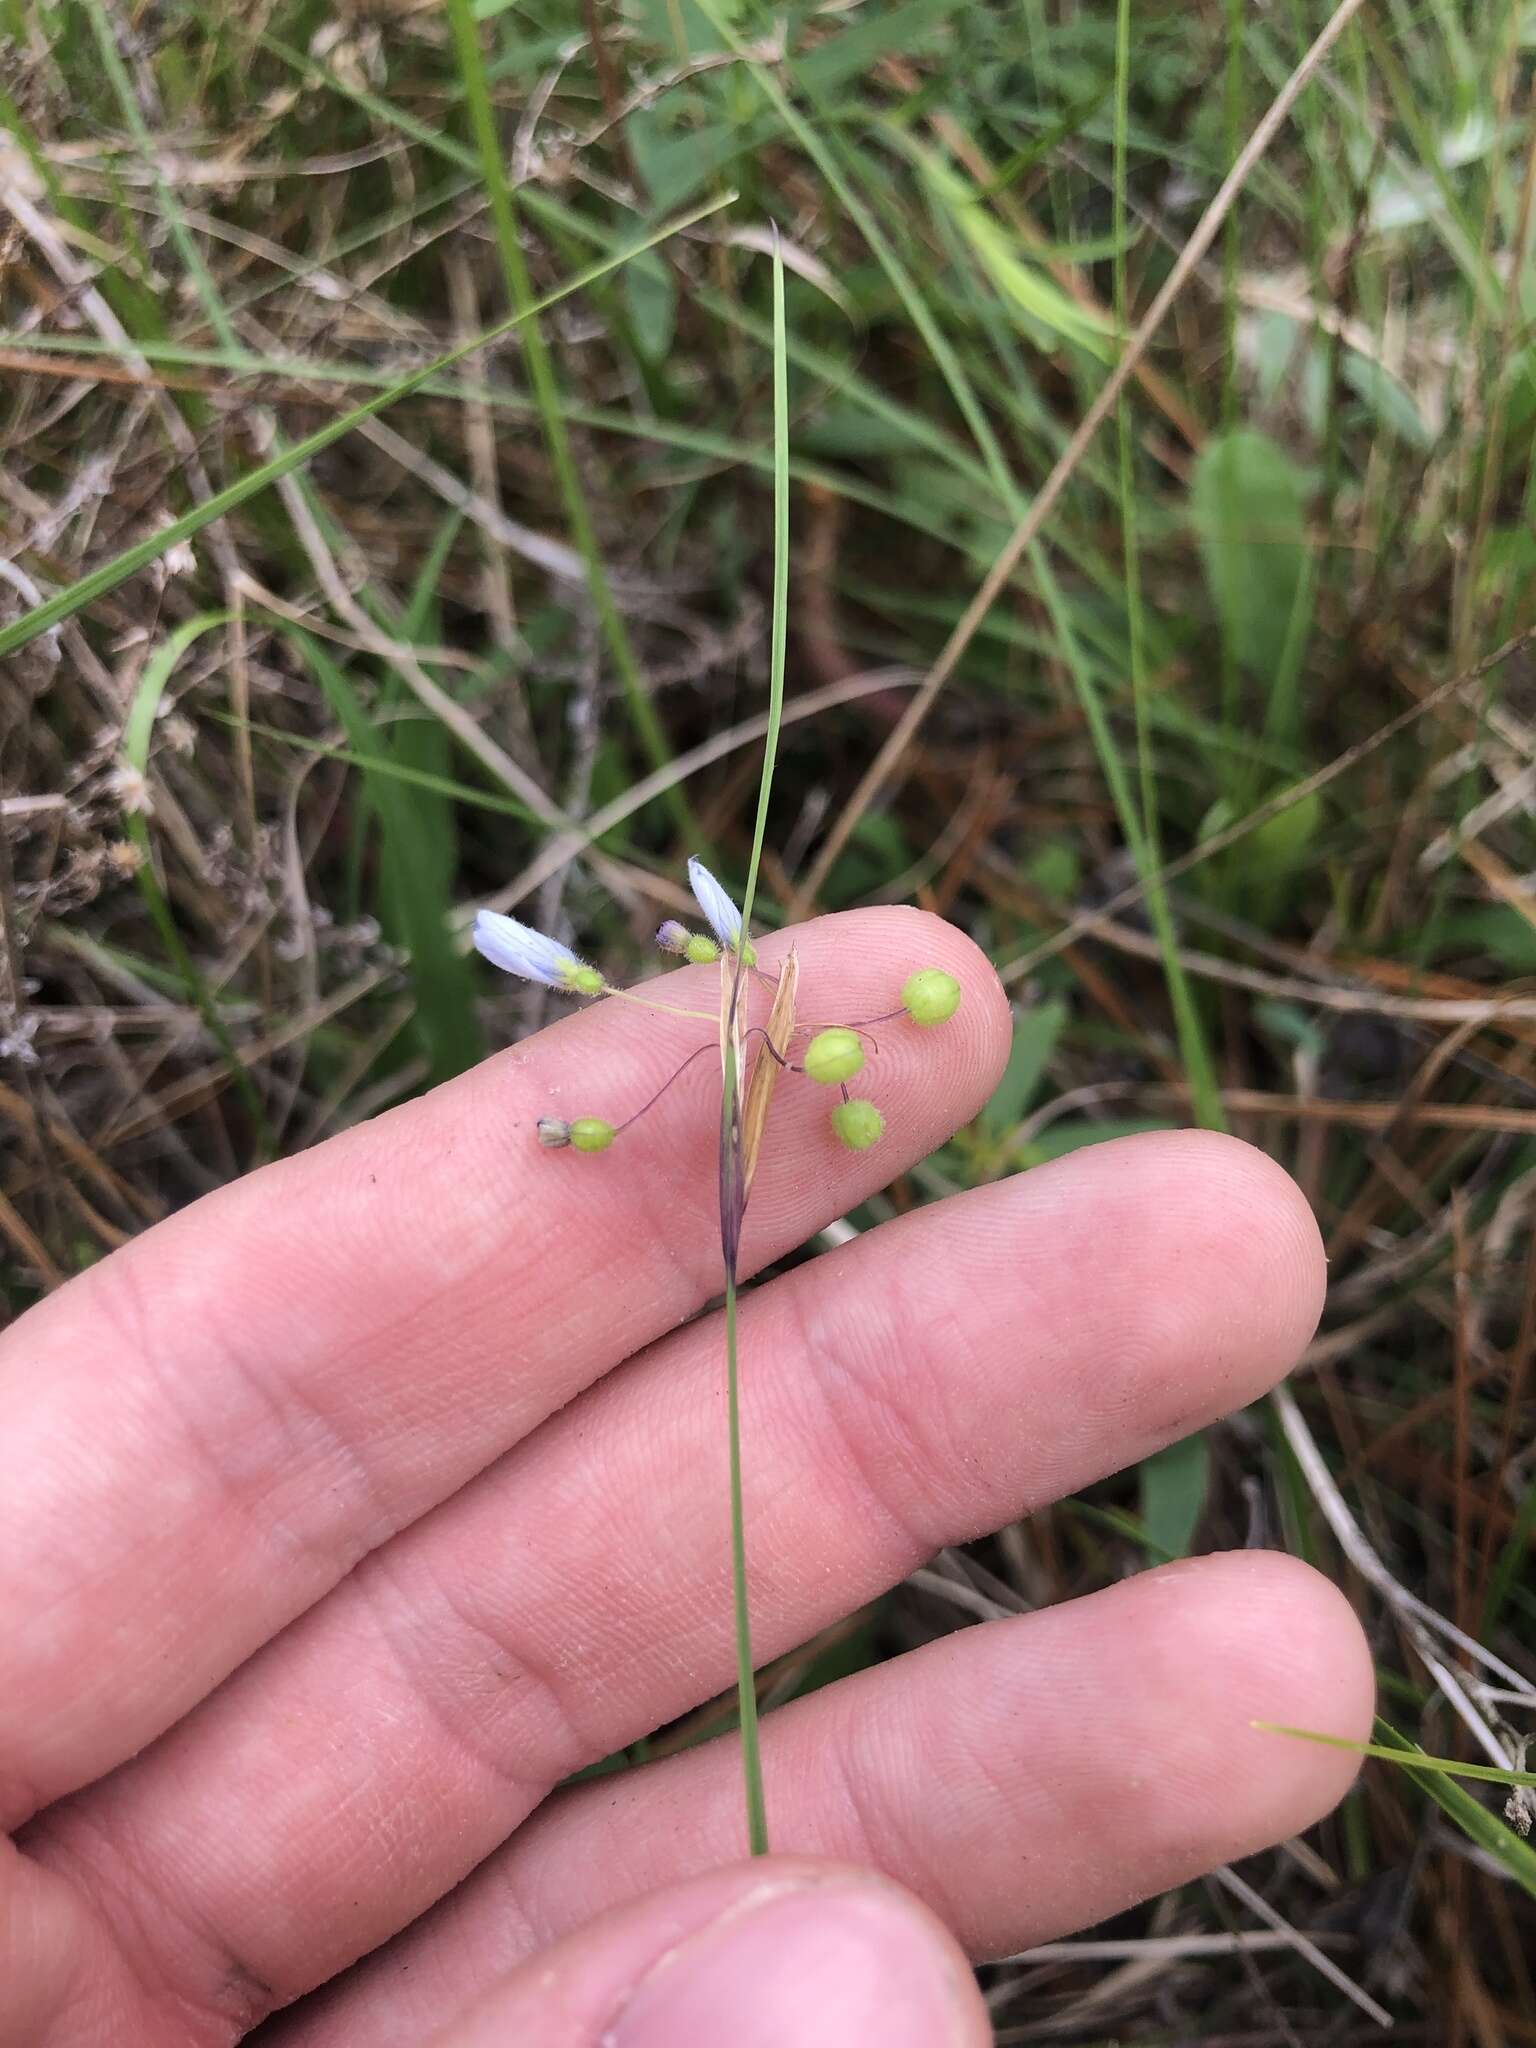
(746, 1683)
(1231, 254)
(1146, 841)
(730, 1122)
(546, 395)
(780, 625)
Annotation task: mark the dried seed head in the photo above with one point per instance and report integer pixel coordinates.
(834, 1055)
(554, 1132)
(930, 996)
(858, 1124)
(591, 1134)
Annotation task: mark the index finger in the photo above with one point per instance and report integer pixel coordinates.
(208, 1430)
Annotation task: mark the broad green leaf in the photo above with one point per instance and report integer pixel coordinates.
(1389, 402)
(651, 298)
(851, 53)
(676, 162)
(1173, 1485)
(1258, 875)
(416, 867)
(1248, 503)
(1035, 1033)
(1063, 1138)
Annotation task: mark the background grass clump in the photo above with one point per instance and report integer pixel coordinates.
(1233, 779)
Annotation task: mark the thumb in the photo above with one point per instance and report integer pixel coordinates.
(781, 1953)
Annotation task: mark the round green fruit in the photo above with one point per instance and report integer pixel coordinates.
(834, 1055)
(858, 1124)
(930, 996)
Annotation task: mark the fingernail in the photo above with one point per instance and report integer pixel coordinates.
(813, 1967)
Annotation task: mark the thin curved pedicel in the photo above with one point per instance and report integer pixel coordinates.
(836, 1052)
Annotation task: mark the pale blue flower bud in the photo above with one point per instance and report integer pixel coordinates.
(721, 914)
(518, 949)
(672, 937)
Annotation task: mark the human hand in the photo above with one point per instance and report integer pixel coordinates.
(352, 1509)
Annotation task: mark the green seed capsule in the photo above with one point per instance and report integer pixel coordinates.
(586, 981)
(591, 1134)
(930, 996)
(858, 1124)
(834, 1055)
(701, 950)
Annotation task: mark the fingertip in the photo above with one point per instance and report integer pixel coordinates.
(842, 1957)
(783, 1952)
(1208, 1272)
(1280, 1227)
(1263, 1642)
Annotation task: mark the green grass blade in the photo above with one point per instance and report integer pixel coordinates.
(415, 877)
(1437, 1775)
(138, 732)
(66, 603)
(1205, 1095)
(1452, 1767)
(546, 394)
(751, 1758)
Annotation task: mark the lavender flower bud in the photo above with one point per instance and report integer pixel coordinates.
(721, 914)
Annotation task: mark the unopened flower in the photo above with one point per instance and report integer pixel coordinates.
(673, 937)
(554, 1132)
(721, 914)
(518, 949)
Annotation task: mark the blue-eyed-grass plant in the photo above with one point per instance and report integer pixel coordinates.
(752, 1058)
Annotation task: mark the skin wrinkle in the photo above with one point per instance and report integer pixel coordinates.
(818, 1347)
(119, 1888)
(568, 1745)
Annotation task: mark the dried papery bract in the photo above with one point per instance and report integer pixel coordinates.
(770, 1062)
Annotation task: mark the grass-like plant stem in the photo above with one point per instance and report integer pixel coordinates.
(546, 397)
(730, 1118)
(1142, 827)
